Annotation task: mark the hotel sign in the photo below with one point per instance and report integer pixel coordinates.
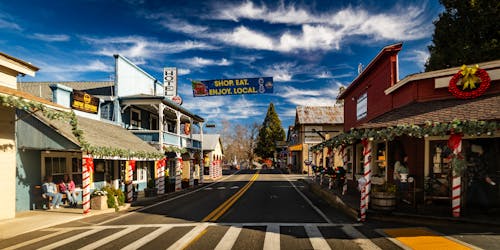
(84, 102)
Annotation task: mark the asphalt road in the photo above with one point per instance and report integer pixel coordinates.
(247, 210)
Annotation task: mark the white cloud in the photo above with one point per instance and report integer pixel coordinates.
(246, 38)
(199, 62)
(91, 66)
(310, 97)
(175, 24)
(6, 23)
(51, 38)
(280, 72)
(138, 48)
(321, 31)
(182, 71)
(419, 57)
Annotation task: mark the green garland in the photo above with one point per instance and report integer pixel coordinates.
(467, 127)
(174, 149)
(29, 106)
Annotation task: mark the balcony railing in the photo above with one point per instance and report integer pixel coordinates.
(152, 136)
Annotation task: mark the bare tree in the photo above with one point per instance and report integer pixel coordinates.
(238, 142)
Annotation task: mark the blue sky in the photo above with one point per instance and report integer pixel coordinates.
(309, 47)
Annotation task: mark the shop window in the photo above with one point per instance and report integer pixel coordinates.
(140, 173)
(349, 163)
(359, 159)
(76, 170)
(135, 118)
(55, 166)
(153, 122)
(381, 160)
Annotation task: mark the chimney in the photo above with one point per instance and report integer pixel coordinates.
(61, 94)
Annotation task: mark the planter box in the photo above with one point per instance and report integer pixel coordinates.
(383, 201)
(99, 202)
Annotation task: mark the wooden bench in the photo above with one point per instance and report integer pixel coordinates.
(48, 199)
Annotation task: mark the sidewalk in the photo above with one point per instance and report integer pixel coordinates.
(349, 204)
(33, 220)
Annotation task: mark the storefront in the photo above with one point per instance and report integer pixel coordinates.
(422, 123)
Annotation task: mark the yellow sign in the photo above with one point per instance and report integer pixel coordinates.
(85, 102)
(297, 147)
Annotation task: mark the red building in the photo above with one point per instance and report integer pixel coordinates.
(419, 117)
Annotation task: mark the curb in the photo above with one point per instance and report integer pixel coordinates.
(337, 202)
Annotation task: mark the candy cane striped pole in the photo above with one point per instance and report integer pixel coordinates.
(86, 186)
(178, 177)
(365, 193)
(456, 186)
(160, 181)
(130, 176)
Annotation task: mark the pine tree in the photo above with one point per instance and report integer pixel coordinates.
(270, 132)
(467, 32)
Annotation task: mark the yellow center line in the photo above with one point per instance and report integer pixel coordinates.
(195, 239)
(219, 211)
(420, 238)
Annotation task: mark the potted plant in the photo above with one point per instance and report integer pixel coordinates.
(151, 190)
(383, 197)
(98, 200)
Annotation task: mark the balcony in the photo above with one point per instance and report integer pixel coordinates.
(169, 139)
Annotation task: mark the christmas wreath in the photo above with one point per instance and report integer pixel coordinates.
(469, 76)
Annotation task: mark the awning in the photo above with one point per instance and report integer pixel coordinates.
(297, 147)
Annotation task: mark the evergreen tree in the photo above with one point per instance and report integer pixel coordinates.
(270, 132)
(467, 32)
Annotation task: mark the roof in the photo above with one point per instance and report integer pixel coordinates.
(18, 65)
(210, 141)
(387, 49)
(165, 101)
(437, 74)
(320, 115)
(14, 92)
(100, 133)
(483, 108)
(42, 89)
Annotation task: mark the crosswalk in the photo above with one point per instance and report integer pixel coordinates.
(220, 236)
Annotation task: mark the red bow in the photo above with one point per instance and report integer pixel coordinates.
(89, 162)
(132, 164)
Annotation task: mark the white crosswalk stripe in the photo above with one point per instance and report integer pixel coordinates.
(227, 242)
(316, 238)
(272, 237)
(143, 240)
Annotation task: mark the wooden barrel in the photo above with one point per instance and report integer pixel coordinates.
(383, 201)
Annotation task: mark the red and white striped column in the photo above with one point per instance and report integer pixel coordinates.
(160, 176)
(365, 192)
(129, 177)
(178, 172)
(455, 143)
(87, 166)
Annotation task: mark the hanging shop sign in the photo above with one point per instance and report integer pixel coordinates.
(84, 102)
(170, 81)
(240, 86)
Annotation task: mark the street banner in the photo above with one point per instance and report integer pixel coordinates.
(240, 86)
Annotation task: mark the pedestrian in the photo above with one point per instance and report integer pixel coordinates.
(49, 189)
(478, 179)
(400, 177)
(67, 186)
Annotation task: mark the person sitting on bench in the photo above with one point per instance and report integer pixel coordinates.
(67, 186)
(49, 189)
